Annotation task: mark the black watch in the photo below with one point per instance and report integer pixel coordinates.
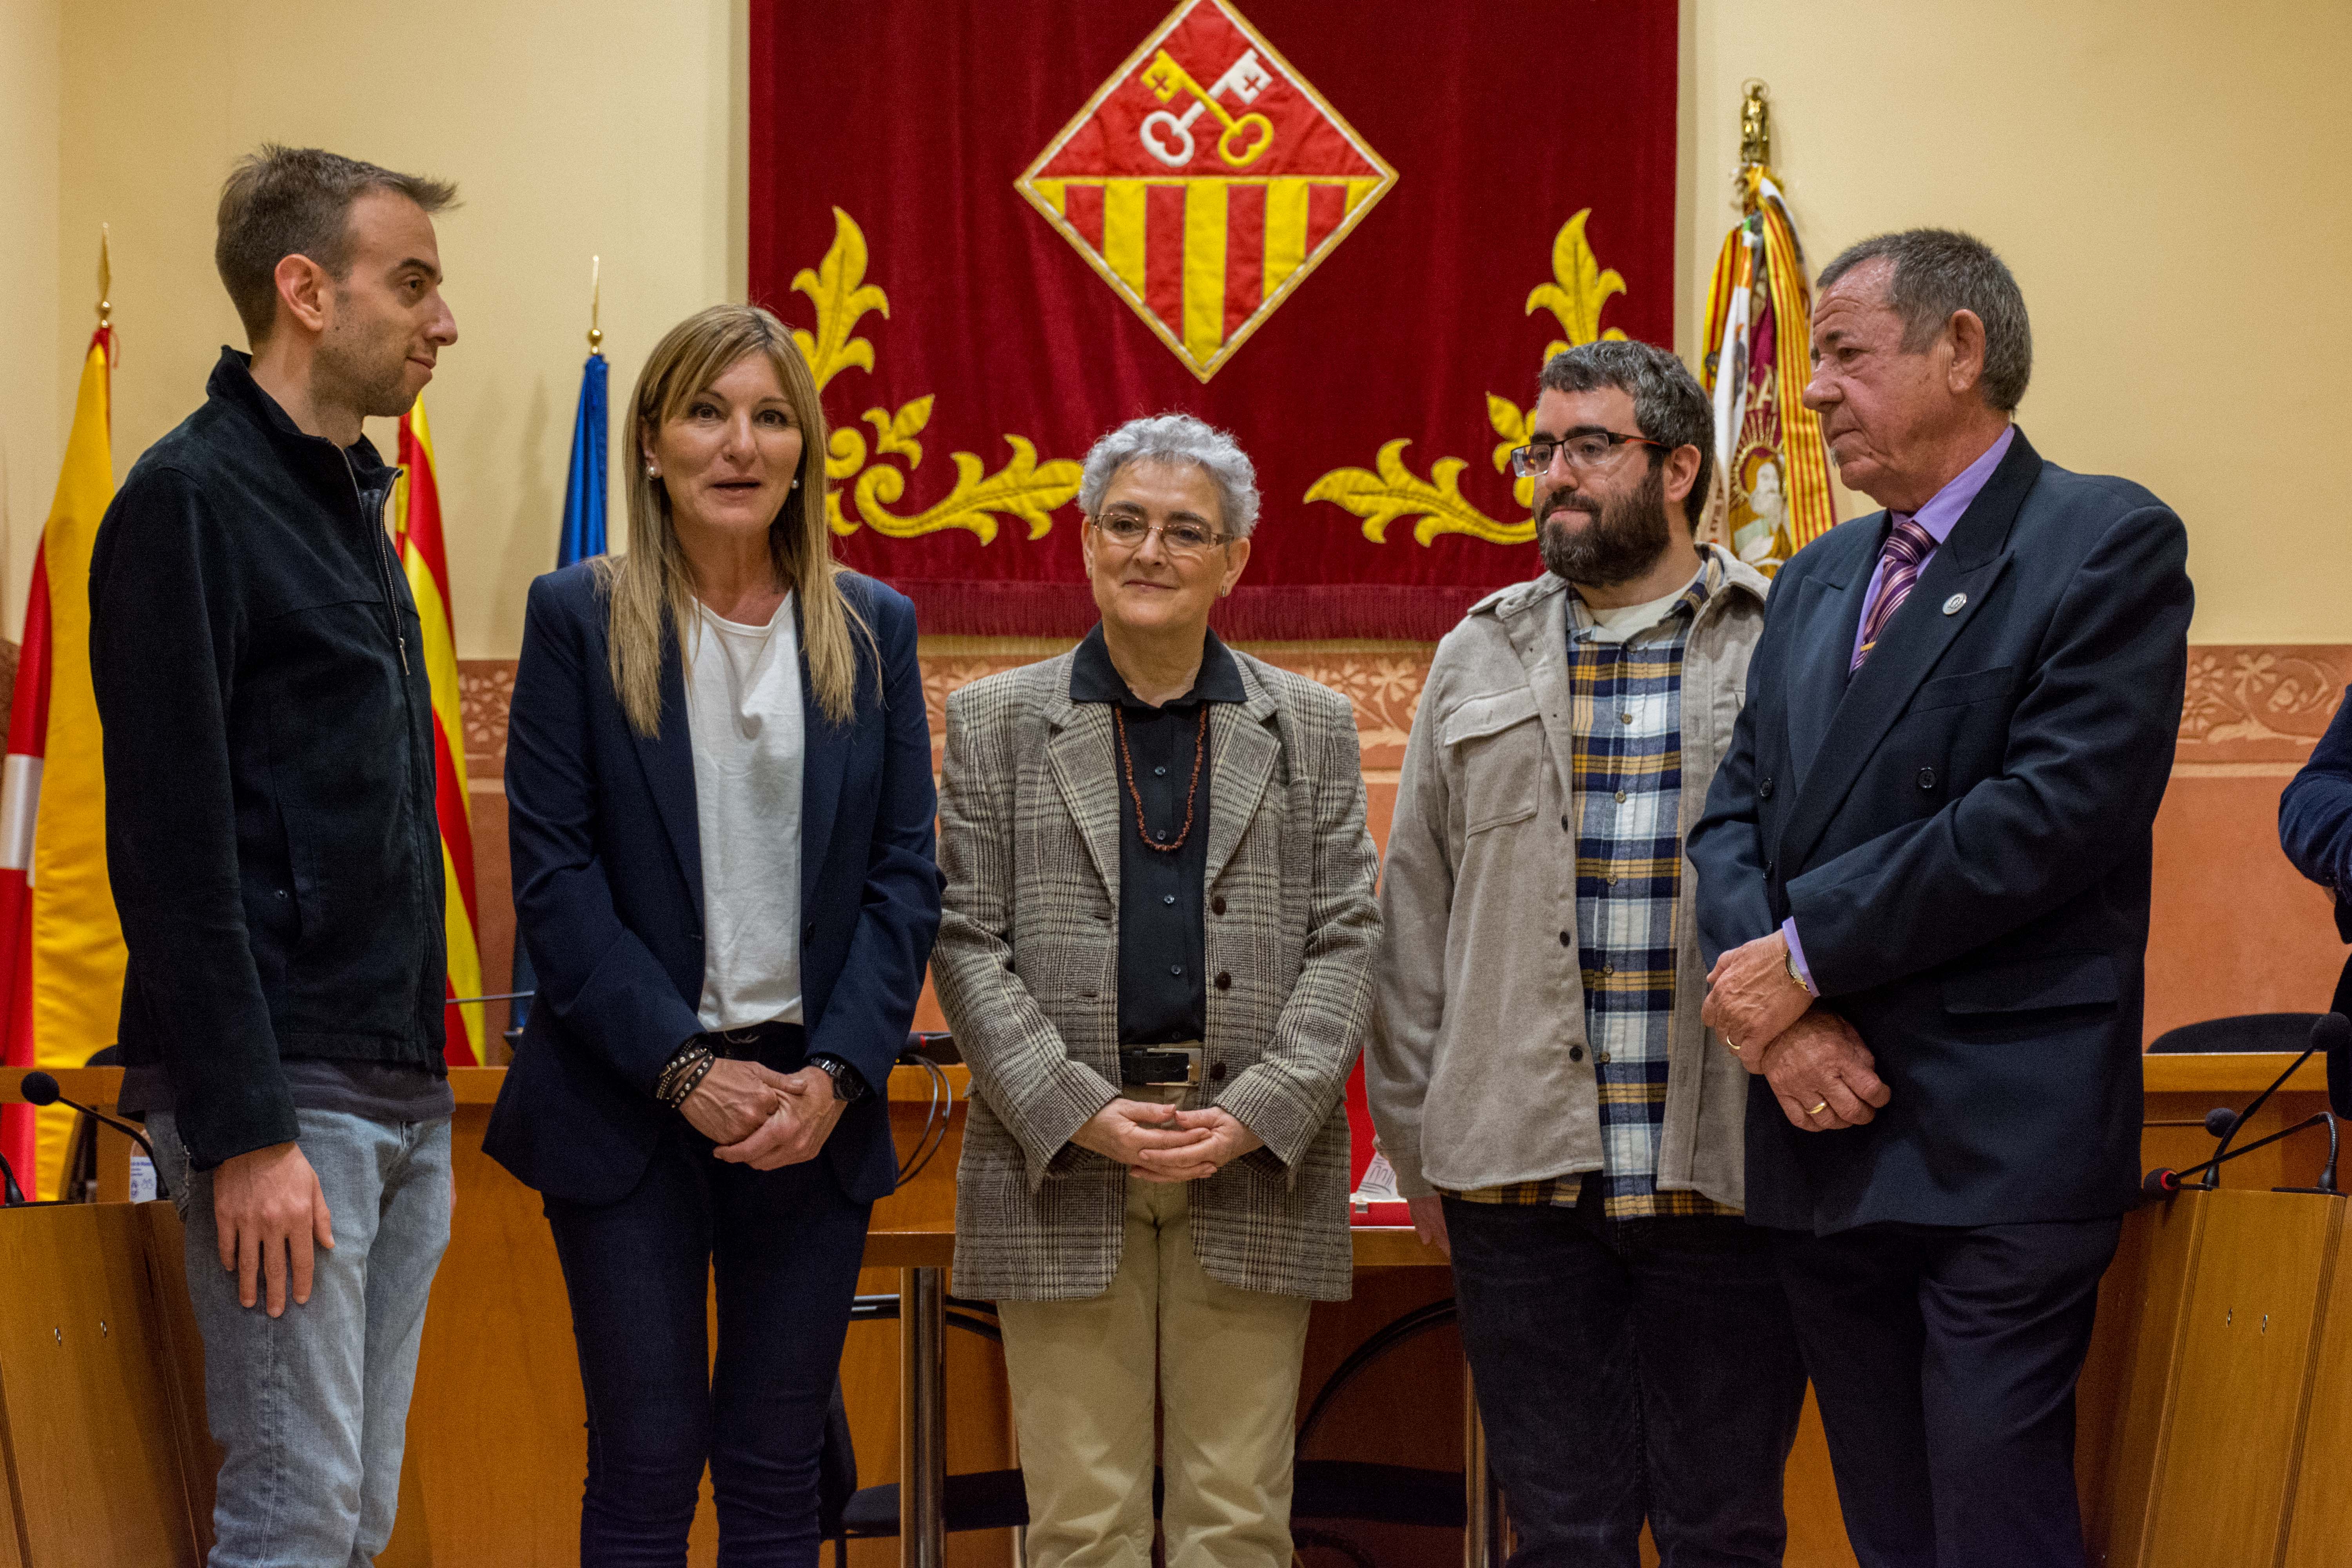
(849, 1086)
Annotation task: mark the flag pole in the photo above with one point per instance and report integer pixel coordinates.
(106, 311)
(596, 304)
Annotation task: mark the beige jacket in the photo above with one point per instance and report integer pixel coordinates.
(1027, 968)
(1481, 997)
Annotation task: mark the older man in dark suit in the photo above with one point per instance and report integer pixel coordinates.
(1924, 886)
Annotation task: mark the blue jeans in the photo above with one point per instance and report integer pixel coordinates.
(785, 1246)
(1630, 1368)
(310, 1410)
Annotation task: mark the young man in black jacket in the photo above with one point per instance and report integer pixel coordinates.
(275, 855)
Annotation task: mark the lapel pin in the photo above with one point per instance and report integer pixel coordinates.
(1952, 606)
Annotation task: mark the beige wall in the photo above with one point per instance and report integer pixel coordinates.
(2164, 176)
(2167, 179)
(593, 127)
(31, 413)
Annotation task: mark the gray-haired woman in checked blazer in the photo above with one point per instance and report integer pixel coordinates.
(1156, 955)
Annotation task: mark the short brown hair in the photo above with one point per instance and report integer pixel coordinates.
(297, 201)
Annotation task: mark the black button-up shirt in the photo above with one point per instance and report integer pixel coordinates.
(1163, 994)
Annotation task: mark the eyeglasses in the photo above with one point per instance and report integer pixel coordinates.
(1128, 532)
(1586, 451)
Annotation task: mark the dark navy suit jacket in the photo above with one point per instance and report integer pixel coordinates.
(2315, 828)
(1963, 833)
(608, 894)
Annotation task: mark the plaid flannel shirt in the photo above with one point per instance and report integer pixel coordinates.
(1626, 717)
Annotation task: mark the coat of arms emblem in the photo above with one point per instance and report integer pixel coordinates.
(1205, 181)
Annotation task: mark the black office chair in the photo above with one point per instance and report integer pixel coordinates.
(979, 1499)
(2246, 1032)
(1361, 1491)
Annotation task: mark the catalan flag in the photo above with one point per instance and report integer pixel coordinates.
(61, 954)
(416, 527)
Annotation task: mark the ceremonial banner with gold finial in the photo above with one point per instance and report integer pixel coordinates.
(1769, 446)
(61, 954)
(417, 529)
(1348, 235)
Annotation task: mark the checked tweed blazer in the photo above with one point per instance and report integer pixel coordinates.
(1030, 808)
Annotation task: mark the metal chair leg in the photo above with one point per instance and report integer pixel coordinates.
(923, 1419)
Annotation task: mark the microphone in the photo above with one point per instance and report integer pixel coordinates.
(2221, 1122)
(2339, 1062)
(11, 1194)
(2331, 1033)
(41, 1089)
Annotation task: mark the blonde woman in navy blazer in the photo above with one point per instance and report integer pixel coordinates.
(721, 996)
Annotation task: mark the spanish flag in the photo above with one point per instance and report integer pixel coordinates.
(417, 529)
(61, 953)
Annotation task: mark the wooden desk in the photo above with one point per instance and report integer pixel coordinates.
(495, 1444)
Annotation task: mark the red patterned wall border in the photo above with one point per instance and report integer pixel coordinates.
(2247, 703)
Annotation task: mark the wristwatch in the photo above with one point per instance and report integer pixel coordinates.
(1789, 963)
(849, 1085)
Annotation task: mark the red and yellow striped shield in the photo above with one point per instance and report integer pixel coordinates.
(1205, 181)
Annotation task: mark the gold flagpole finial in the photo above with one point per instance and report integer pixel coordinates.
(596, 304)
(1754, 125)
(105, 282)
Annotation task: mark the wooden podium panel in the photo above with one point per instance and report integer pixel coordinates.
(89, 1427)
(2320, 1534)
(2227, 1289)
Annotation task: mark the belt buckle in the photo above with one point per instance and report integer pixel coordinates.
(1192, 1055)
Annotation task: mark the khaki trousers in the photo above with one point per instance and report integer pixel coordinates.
(1083, 1382)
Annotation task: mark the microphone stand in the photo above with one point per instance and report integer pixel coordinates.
(2164, 1183)
(2319, 1041)
(41, 1089)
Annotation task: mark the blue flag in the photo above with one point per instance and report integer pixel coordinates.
(583, 535)
(584, 491)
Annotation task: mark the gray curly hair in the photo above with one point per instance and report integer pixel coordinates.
(1176, 439)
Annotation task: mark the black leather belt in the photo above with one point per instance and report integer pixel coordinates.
(1160, 1064)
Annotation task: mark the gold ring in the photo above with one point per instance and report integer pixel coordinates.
(1734, 1045)
(1817, 1110)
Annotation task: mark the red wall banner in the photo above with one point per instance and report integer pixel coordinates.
(1349, 235)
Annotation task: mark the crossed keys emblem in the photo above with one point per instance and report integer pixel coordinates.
(1169, 137)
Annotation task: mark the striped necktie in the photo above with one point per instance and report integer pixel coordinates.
(1907, 547)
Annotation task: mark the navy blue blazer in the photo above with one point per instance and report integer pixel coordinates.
(608, 894)
(1963, 832)
(2316, 816)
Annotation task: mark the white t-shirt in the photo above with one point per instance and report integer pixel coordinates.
(743, 713)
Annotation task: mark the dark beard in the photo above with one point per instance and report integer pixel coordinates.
(1624, 539)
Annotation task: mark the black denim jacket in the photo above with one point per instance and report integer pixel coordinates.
(270, 832)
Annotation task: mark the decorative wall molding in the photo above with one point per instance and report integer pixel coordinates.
(485, 693)
(2252, 702)
(2247, 703)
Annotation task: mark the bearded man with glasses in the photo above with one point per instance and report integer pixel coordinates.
(1156, 957)
(1559, 1119)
